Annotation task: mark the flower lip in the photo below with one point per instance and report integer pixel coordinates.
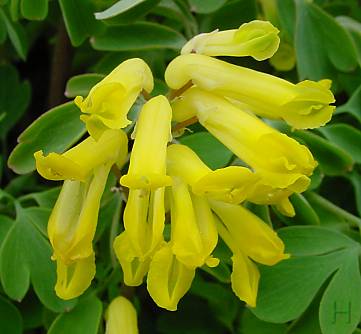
(110, 100)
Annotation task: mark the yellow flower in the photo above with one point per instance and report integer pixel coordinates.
(133, 268)
(73, 221)
(148, 159)
(231, 184)
(79, 162)
(121, 317)
(252, 235)
(144, 217)
(258, 39)
(248, 237)
(144, 213)
(74, 278)
(108, 102)
(280, 161)
(168, 279)
(245, 274)
(304, 105)
(193, 231)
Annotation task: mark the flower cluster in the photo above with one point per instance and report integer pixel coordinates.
(166, 177)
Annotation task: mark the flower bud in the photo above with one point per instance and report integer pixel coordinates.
(258, 39)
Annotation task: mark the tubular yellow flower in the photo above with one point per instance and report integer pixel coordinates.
(144, 217)
(74, 278)
(168, 279)
(280, 161)
(193, 234)
(133, 268)
(258, 39)
(148, 159)
(73, 220)
(253, 236)
(304, 105)
(79, 162)
(245, 274)
(231, 184)
(109, 101)
(121, 317)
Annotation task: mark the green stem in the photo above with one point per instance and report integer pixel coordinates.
(354, 221)
(114, 231)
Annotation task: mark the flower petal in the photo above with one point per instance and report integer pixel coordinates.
(168, 279)
(74, 278)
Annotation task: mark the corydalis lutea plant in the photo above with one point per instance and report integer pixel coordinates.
(204, 204)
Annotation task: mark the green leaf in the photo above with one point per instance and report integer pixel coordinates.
(81, 84)
(340, 307)
(21, 184)
(287, 14)
(354, 27)
(34, 10)
(171, 10)
(79, 19)
(14, 98)
(345, 137)
(39, 217)
(5, 225)
(54, 131)
(126, 11)
(352, 106)
(24, 258)
(206, 7)
(308, 322)
(332, 159)
(118, 8)
(307, 274)
(209, 149)
(316, 178)
(138, 36)
(83, 318)
(249, 324)
(232, 15)
(315, 240)
(14, 9)
(11, 321)
(303, 274)
(45, 199)
(317, 33)
(16, 35)
(3, 31)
